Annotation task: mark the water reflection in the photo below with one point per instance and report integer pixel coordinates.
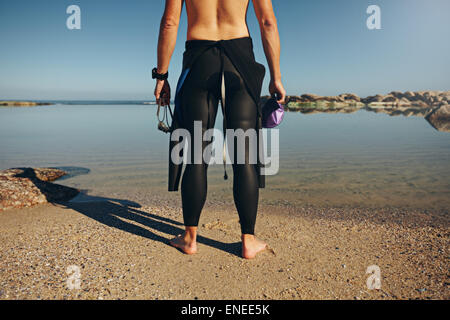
(438, 118)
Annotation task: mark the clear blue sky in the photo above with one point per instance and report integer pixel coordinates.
(326, 48)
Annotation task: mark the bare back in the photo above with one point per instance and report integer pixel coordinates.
(216, 19)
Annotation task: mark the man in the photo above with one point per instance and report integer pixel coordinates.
(218, 64)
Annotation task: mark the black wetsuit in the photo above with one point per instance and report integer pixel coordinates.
(198, 101)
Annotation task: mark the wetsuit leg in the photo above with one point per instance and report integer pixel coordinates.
(200, 100)
(241, 113)
(201, 92)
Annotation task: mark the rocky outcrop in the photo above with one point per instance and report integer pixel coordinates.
(23, 103)
(419, 103)
(425, 99)
(26, 187)
(349, 98)
(394, 99)
(440, 118)
(312, 103)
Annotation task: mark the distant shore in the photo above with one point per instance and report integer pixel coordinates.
(23, 103)
(419, 99)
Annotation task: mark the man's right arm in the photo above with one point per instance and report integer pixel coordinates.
(271, 43)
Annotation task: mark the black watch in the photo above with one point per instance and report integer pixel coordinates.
(159, 76)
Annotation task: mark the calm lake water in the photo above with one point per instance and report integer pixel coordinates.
(360, 159)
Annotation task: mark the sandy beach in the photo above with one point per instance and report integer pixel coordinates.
(122, 251)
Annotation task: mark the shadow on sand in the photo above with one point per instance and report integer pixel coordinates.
(121, 214)
(117, 213)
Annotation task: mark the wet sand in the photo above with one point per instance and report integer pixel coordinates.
(121, 248)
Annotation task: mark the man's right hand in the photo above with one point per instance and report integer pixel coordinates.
(276, 87)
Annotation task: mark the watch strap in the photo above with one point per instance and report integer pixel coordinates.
(159, 76)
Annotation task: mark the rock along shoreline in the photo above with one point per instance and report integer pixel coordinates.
(27, 187)
(424, 99)
(434, 106)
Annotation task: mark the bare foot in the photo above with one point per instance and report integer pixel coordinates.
(184, 243)
(251, 246)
